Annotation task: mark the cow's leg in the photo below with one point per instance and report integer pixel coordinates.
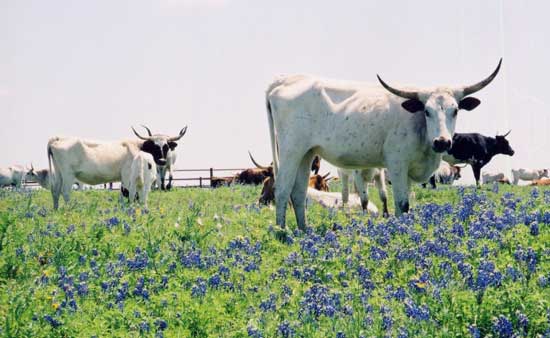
(380, 182)
(56, 190)
(401, 184)
(284, 183)
(432, 182)
(132, 192)
(345, 187)
(144, 194)
(170, 178)
(67, 187)
(298, 194)
(477, 172)
(361, 187)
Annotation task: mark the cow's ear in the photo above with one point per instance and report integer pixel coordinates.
(172, 145)
(148, 146)
(468, 103)
(412, 105)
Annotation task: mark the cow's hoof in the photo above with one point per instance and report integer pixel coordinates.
(169, 186)
(282, 235)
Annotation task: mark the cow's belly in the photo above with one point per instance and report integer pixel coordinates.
(92, 174)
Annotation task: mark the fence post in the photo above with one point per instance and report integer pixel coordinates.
(200, 182)
(211, 175)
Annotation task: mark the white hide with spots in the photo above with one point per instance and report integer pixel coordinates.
(356, 126)
(528, 174)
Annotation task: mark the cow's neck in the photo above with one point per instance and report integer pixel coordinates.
(491, 147)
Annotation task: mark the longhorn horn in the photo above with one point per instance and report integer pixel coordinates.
(148, 130)
(401, 93)
(461, 167)
(467, 90)
(326, 175)
(509, 131)
(139, 136)
(256, 163)
(175, 138)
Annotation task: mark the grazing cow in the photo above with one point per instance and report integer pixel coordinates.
(445, 174)
(357, 126)
(492, 177)
(316, 164)
(42, 177)
(361, 178)
(216, 182)
(256, 175)
(170, 155)
(143, 174)
(528, 174)
(94, 162)
(12, 176)
(541, 182)
(333, 200)
(477, 150)
(504, 180)
(319, 182)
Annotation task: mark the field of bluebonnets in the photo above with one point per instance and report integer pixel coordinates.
(203, 263)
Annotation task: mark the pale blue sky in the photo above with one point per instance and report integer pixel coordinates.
(93, 68)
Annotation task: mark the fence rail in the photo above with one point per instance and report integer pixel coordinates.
(180, 177)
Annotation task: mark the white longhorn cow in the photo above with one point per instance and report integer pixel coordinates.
(528, 174)
(143, 173)
(12, 176)
(93, 162)
(356, 126)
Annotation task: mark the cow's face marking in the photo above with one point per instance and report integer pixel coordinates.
(159, 148)
(503, 146)
(440, 111)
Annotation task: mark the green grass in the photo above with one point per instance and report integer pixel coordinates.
(90, 234)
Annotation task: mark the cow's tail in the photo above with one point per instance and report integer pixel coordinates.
(53, 175)
(272, 136)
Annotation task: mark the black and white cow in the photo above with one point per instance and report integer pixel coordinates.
(170, 156)
(477, 150)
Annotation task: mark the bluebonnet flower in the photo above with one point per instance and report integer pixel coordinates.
(523, 322)
(285, 329)
(535, 192)
(340, 334)
(377, 254)
(503, 327)
(254, 332)
(52, 321)
(534, 229)
(474, 331)
(402, 333)
(161, 324)
(416, 312)
(144, 327)
(269, 304)
(543, 281)
(199, 288)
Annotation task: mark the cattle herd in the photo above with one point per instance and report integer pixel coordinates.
(370, 133)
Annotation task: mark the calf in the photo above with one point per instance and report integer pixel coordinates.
(12, 176)
(333, 200)
(360, 178)
(477, 150)
(216, 182)
(319, 182)
(541, 182)
(268, 191)
(143, 174)
(528, 174)
(316, 164)
(492, 177)
(445, 174)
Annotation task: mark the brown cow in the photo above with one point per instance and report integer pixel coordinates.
(216, 182)
(254, 175)
(541, 182)
(319, 182)
(268, 191)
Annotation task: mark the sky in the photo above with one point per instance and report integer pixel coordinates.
(94, 68)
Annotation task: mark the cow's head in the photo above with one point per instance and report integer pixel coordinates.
(266, 170)
(544, 173)
(159, 145)
(316, 164)
(456, 172)
(502, 146)
(319, 182)
(268, 191)
(30, 175)
(440, 107)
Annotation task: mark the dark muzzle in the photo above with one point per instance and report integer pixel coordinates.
(441, 144)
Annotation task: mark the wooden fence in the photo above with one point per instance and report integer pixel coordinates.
(188, 178)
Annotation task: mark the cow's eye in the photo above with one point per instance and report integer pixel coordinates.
(455, 112)
(427, 113)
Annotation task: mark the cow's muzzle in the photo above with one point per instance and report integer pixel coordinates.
(441, 144)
